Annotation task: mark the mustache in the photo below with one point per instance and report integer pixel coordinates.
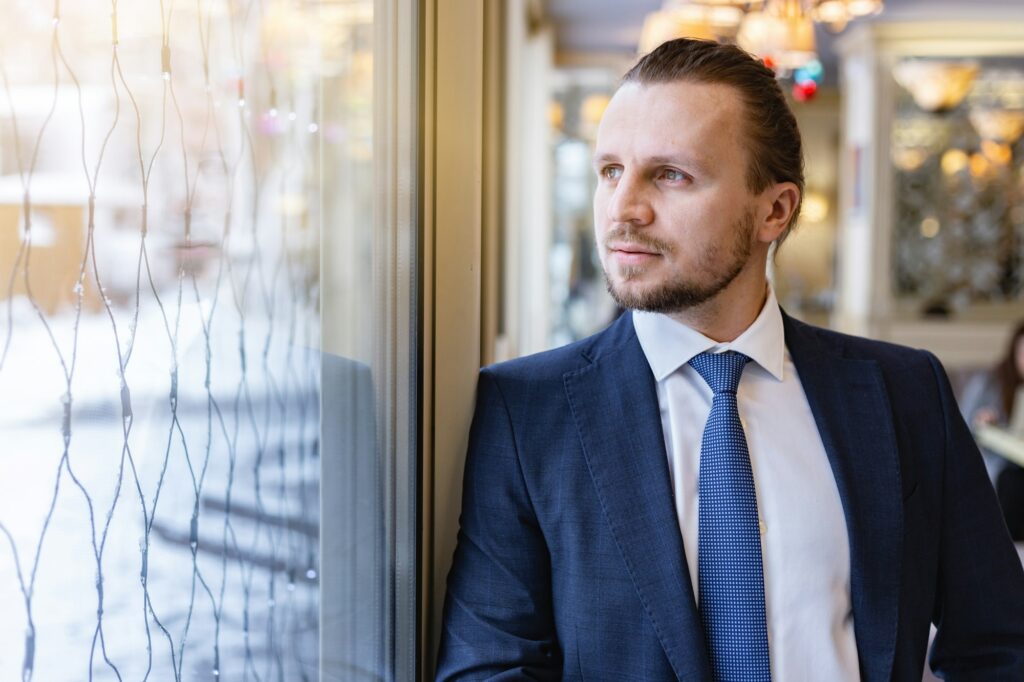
(627, 235)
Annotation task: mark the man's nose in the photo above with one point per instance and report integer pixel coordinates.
(629, 202)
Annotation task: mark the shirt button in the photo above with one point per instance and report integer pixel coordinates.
(743, 423)
(762, 526)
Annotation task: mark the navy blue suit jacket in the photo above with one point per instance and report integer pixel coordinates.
(570, 564)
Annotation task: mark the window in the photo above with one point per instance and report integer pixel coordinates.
(160, 213)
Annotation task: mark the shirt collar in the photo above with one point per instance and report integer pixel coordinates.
(668, 344)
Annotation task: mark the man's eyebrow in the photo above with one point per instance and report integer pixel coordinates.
(658, 160)
(685, 161)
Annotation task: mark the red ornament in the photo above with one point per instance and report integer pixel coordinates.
(802, 92)
(769, 62)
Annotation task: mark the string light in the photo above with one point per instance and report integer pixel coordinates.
(167, 303)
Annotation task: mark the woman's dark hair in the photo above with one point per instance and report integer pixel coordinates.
(776, 153)
(1008, 376)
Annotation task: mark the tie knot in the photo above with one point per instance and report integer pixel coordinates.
(721, 371)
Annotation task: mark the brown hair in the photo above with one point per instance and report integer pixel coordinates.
(776, 153)
(1007, 376)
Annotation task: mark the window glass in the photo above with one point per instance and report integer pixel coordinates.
(159, 339)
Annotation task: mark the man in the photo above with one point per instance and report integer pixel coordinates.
(709, 489)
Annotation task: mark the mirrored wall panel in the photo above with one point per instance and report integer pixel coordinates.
(956, 149)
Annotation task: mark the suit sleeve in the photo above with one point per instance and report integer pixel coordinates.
(497, 622)
(979, 607)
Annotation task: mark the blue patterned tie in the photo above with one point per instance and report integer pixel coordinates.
(729, 568)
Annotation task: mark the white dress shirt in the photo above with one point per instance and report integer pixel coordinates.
(805, 548)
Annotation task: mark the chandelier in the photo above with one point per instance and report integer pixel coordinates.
(779, 31)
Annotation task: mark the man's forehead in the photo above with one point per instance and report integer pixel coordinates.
(680, 121)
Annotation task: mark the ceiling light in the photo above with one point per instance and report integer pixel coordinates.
(998, 125)
(936, 85)
(661, 27)
(780, 29)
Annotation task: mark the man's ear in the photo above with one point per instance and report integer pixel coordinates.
(777, 205)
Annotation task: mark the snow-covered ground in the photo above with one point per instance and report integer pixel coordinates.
(239, 586)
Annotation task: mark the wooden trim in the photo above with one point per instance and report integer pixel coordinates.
(427, 222)
(453, 137)
(493, 181)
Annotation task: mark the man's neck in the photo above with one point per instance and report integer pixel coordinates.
(731, 311)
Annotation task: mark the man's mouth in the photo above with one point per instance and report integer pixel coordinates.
(632, 254)
(633, 249)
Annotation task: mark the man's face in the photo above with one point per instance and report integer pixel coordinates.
(674, 220)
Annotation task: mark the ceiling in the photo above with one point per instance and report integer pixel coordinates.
(606, 27)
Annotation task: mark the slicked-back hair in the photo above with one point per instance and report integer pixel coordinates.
(775, 149)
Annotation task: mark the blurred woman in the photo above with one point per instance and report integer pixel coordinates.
(989, 399)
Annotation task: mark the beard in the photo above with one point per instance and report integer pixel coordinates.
(719, 264)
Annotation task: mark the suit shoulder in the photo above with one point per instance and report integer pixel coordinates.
(887, 354)
(553, 364)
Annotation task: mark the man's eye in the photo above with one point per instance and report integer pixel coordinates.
(611, 172)
(673, 175)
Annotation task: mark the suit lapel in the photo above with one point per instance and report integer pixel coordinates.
(615, 405)
(851, 408)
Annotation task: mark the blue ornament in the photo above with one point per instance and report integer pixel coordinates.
(814, 70)
(801, 76)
